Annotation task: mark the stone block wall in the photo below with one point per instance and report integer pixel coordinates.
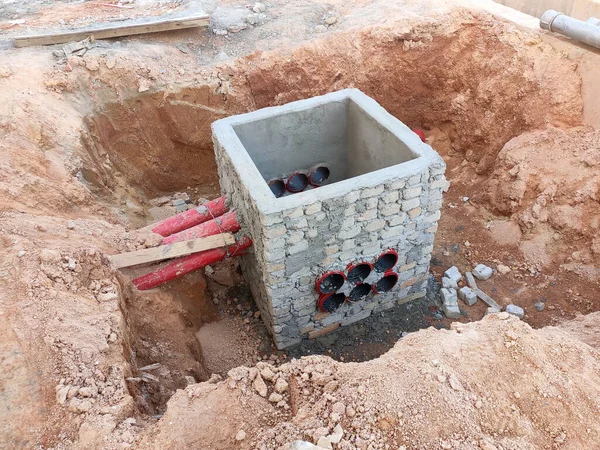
(298, 238)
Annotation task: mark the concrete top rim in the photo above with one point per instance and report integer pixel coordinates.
(258, 188)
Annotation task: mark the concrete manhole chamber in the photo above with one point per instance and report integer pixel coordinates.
(356, 240)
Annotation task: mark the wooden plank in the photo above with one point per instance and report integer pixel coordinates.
(171, 251)
(471, 280)
(487, 299)
(116, 30)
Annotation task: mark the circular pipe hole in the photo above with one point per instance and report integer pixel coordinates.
(386, 261)
(330, 282)
(297, 182)
(358, 272)
(360, 292)
(386, 284)
(318, 176)
(331, 302)
(277, 187)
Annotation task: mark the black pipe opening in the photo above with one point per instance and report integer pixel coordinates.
(297, 182)
(386, 283)
(318, 176)
(359, 272)
(331, 283)
(332, 302)
(360, 292)
(386, 262)
(277, 187)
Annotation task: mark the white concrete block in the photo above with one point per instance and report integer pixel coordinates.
(453, 273)
(482, 272)
(515, 310)
(467, 295)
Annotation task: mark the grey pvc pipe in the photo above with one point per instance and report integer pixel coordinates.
(593, 21)
(576, 29)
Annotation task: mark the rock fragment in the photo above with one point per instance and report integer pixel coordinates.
(502, 269)
(267, 373)
(300, 445)
(260, 386)
(515, 310)
(275, 397)
(539, 306)
(324, 442)
(336, 436)
(259, 7)
(492, 310)
(281, 385)
(240, 436)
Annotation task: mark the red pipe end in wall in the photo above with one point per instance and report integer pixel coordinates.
(330, 282)
(360, 292)
(357, 272)
(277, 187)
(330, 302)
(318, 176)
(297, 182)
(386, 260)
(387, 283)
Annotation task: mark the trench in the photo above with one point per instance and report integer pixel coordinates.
(158, 145)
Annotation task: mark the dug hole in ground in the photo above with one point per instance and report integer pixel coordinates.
(95, 147)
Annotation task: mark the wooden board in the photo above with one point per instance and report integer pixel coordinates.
(116, 30)
(171, 251)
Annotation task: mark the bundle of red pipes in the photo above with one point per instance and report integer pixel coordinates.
(205, 220)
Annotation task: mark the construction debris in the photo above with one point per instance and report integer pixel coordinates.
(502, 269)
(450, 303)
(482, 272)
(515, 310)
(492, 310)
(487, 299)
(539, 306)
(150, 367)
(471, 280)
(449, 283)
(467, 295)
(169, 251)
(138, 26)
(453, 273)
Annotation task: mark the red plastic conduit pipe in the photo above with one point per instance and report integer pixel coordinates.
(227, 223)
(192, 217)
(181, 266)
(420, 133)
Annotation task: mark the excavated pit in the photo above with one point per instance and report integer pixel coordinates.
(471, 91)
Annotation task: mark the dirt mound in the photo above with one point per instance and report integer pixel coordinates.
(87, 141)
(486, 385)
(548, 181)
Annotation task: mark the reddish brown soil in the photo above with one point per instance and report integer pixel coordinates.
(87, 141)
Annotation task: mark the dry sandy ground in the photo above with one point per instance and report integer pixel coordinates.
(87, 140)
(493, 384)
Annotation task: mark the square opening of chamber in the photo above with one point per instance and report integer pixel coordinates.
(339, 134)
